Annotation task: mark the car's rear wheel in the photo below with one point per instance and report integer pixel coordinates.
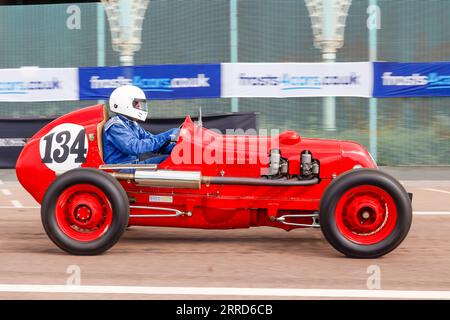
(365, 213)
(85, 211)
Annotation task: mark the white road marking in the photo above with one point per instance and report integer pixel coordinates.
(425, 183)
(17, 204)
(1, 182)
(436, 190)
(217, 291)
(431, 213)
(6, 192)
(418, 213)
(22, 207)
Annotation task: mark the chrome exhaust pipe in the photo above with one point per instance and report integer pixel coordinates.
(162, 178)
(194, 179)
(168, 179)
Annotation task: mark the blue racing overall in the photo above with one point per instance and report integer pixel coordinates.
(124, 141)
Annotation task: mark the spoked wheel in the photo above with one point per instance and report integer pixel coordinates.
(365, 213)
(85, 211)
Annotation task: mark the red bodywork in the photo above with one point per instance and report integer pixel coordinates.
(212, 206)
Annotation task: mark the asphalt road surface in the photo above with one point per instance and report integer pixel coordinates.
(266, 263)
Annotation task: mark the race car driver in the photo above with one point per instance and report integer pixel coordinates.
(124, 141)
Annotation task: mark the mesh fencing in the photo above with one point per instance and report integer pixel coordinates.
(410, 131)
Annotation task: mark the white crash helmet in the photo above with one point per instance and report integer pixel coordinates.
(129, 101)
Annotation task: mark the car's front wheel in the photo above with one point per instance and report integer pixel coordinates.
(365, 213)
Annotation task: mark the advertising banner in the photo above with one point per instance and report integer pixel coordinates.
(38, 84)
(159, 82)
(283, 80)
(197, 81)
(426, 79)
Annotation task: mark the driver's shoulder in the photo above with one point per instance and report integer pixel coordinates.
(114, 121)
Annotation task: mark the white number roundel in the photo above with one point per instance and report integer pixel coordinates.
(64, 148)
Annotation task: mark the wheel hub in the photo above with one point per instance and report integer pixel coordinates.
(85, 210)
(83, 213)
(363, 213)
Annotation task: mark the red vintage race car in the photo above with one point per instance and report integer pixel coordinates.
(211, 181)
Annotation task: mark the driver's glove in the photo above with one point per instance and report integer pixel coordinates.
(173, 134)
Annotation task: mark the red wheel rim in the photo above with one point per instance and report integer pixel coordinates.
(83, 212)
(366, 215)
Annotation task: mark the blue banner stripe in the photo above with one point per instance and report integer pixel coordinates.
(411, 79)
(159, 82)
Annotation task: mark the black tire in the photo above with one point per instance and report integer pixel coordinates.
(116, 195)
(359, 177)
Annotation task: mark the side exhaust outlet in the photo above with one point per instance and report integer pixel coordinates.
(194, 179)
(168, 179)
